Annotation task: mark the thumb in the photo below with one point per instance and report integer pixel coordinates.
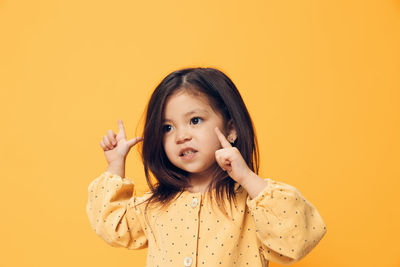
(134, 141)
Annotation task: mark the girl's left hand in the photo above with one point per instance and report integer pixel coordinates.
(230, 159)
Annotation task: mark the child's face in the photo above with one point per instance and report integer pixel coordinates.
(189, 122)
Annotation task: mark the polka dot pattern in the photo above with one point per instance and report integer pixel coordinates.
(278, 225)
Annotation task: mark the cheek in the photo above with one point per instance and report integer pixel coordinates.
(168, 147)
(213, 143)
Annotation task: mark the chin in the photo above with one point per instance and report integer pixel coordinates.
(200, 171)
(193, 171)
(189, 169)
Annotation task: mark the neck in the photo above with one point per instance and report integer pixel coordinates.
(199, 181)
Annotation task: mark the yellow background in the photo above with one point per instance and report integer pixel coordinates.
(321, 80)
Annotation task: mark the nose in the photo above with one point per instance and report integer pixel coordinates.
(182, 136)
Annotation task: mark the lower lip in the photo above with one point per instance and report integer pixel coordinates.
(188, 156)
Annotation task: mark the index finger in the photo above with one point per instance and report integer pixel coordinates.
(121, 128)
(222, 138)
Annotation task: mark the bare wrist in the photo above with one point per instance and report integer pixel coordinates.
(117, 167)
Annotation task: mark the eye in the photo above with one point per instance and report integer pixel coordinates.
(166, 128)
(196, 120)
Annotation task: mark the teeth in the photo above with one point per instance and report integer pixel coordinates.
(188, 152)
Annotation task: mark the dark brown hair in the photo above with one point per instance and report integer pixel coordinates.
(226, 100)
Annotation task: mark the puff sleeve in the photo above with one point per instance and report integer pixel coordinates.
(288, 226)
(113, 212)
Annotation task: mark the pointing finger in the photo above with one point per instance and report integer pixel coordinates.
(222, 138)
(121, 128)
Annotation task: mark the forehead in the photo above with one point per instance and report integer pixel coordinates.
(184, 100)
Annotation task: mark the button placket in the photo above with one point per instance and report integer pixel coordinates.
(191, 249)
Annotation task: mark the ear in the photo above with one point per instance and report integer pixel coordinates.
(232, 134)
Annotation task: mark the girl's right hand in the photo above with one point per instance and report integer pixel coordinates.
(116, 147)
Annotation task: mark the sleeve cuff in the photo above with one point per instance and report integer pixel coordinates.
(111, 176)
(266, 192)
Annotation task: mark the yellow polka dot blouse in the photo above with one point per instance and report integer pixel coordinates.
(278, 225)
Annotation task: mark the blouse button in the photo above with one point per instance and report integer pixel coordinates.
(194, 202)
(187, 261)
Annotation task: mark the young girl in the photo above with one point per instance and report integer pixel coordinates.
(208, 207)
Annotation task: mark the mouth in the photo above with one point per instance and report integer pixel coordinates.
(187, 153)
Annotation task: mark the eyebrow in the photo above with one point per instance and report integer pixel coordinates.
(191, 112)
